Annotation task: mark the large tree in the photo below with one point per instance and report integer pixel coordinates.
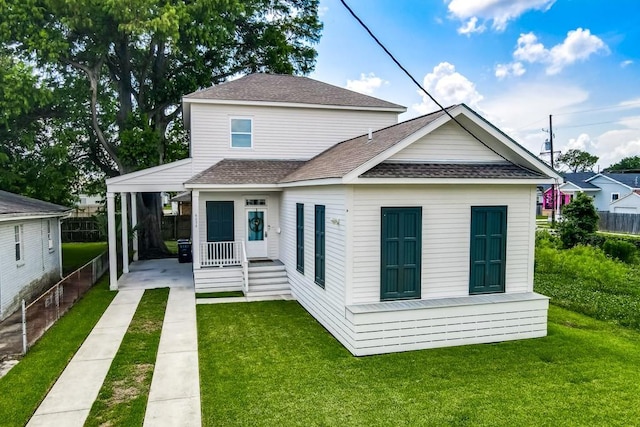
(124, 65)
(628, 164)
(30, 163)
(577, 161)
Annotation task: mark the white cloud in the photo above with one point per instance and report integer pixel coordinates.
(500, 12)
(448, 87)
(471, 27)
(511, 69)
(579, 45)
(583, 142)
(626, 63)
(367, 83)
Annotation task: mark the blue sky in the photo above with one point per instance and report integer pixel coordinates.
(513, 61)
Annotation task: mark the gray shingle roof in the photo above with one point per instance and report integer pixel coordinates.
(234, 171)
(13, 205)
(450, 170)
(578, 179)
(346, 156)
(630, 179)
(291, 89)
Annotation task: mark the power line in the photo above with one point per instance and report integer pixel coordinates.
(628, 105)
(344, 3)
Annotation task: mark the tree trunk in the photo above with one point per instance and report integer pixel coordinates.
(150, 242)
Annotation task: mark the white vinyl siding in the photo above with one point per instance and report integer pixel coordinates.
(278, 132)
(326, 305)
(445, 236)
(240, 216)
(447, 143)
(38, 261)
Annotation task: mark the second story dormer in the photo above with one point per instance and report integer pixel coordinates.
(265, 116)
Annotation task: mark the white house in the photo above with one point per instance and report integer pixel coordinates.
(394, 236)
(615, 186)
(30, 248)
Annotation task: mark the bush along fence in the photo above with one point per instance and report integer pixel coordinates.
(42, 313)
(619, 222)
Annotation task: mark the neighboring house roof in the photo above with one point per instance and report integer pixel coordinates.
(282, 88)
(579, 179)
(448, 170)
(342, 158)
(13, 206)
(234, 172)
(631, 180)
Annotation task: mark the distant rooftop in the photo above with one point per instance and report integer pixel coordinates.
(284, 88)
(14, 205)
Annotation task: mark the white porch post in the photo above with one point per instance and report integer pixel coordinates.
(60, 246)
(111, 226)
(195, 229)
(124, 221)
(134, 223)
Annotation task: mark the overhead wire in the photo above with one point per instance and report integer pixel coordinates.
(393, 58)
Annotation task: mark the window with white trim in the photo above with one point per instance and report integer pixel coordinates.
(615, 196)
(241, 132)
(49, 234)
(18, 232)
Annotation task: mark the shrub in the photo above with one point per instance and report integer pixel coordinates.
(546, 239)
(620, 249)
(580, 222)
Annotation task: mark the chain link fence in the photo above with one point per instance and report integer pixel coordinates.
(42, 313)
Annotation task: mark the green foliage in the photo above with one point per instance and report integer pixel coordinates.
(545, 239)
(577, 160)
(626, 164)
(75, 255)
(580, 221)
(586, 280)
(272, 364)
(620, 249)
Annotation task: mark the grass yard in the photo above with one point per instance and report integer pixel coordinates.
(585, 280)
(271, 363)
(24, 387)
(123, 397)
(75, 255)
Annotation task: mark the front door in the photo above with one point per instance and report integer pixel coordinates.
(219, 221)
(488, 249)
(401, 253)
(256, 225)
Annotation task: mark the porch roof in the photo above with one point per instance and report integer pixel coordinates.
(236, 171)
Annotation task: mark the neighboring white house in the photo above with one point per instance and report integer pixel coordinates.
(88, 205)
(614, 186)
(30, 248)
(393, 236)
(629, 204)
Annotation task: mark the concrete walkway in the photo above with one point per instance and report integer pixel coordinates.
(174, 398)
(69, 401)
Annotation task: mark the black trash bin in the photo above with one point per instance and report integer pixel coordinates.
(184, 250)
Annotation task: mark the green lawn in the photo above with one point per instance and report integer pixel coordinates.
(585, 280)
(75, 255)
(24, 387)
(123, 397)
(272, 364)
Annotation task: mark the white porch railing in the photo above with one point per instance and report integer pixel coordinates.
(245, 270)
(221, 254)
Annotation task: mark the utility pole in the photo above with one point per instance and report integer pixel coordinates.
(553, 185)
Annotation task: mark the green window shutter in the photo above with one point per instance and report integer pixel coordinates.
(319, 245)
(401, 253)
(300, 237)
(220, 222)
(488, 253)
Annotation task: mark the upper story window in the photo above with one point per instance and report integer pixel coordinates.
(18, 232)
(615, 196)
(241, 133)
